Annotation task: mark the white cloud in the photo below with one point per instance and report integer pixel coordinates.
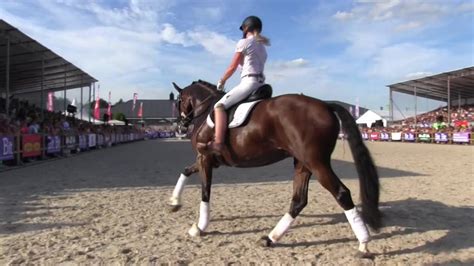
(171, 35)
(214, 43)
(397, 61)
(408, 26)
(419, 74)
(341, 15)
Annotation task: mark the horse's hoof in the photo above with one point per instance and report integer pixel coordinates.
(194, 231)
(365, 255)
(266, 242)
(175, 208)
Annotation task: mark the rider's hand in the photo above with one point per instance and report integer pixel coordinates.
(220, 85)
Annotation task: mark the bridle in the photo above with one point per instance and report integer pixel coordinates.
(186, 118)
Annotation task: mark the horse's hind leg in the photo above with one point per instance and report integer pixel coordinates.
(175, 200)
(328, 179)
(298, 202)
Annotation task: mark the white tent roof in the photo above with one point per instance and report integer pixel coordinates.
(370, 117)
(116, 123)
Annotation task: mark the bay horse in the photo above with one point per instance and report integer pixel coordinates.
(285, 126)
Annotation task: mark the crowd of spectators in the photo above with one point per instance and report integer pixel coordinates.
(29, 119)
(462, 120)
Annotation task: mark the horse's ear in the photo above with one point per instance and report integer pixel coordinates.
(177, 87)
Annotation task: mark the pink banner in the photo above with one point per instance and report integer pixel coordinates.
(135, 97)
(50, 107)
(140, 111)
(97, 109)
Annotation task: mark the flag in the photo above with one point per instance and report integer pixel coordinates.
(357, 108)
(135, 97)
(109, 108)
(96, 109)
(50, 101)
(140, 111)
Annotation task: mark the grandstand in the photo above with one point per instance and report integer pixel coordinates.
(28, 67)
(453, 87)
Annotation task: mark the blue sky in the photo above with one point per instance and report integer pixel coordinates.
(333, 50)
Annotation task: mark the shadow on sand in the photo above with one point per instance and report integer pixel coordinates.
(143, 164)
(410, 215)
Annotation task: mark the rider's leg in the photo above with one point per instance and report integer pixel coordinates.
(240, 92)
(220, 129)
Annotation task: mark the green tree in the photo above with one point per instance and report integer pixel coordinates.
(102, 104)
(119, 116)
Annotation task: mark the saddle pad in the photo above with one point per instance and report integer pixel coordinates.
(240, 115)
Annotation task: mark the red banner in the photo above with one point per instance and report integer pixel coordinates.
(31, 145)
(140, 111)
(96, 109)
(374, 136)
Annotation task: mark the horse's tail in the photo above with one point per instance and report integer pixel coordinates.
(368, 176)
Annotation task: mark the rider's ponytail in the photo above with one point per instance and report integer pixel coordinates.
(262, 39)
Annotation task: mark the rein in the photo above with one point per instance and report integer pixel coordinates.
(213, 93)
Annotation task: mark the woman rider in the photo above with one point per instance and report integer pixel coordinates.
(251, 55)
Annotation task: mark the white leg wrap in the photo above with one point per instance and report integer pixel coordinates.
(281, 228)
(178, 190)
(357, 225)
(204, 212)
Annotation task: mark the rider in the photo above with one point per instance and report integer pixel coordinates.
(250, 54)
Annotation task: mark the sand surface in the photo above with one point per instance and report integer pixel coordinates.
(110, 206)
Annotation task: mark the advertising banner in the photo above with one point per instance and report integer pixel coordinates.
(82, 142)
(92, 140)
(374, 136)
(53, 144)
(31, 145)
(100, 140)
(70, 142)
(424, 137)
(365, 136)
(6, 148)
(461, 137)
(384, 136)
(441, 137)
(396, 136)
(409, 136)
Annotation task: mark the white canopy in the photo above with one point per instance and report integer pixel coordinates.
(370, 117)
(116, 123)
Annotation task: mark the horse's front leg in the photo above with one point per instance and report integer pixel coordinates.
(205, 171)
(175, 200)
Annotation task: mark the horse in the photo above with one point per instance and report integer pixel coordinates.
(290, 125)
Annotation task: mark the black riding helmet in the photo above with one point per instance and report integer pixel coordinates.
(252, 23)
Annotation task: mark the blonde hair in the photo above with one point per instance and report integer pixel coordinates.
(261, 39)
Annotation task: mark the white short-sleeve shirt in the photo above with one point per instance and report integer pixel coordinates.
(255, 56)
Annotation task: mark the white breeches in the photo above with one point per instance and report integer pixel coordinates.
(246, 87)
